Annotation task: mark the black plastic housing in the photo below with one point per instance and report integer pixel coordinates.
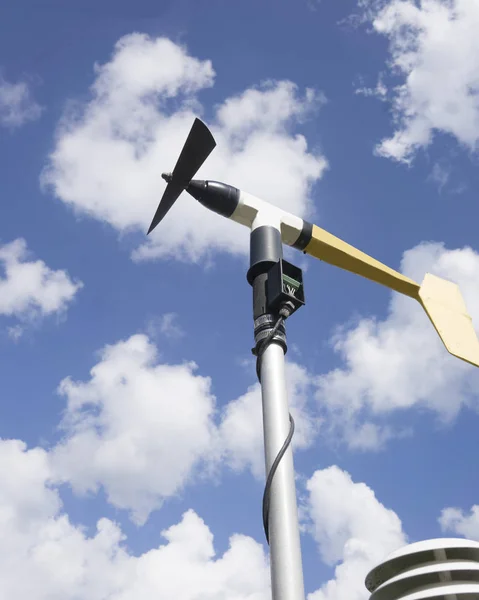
(284, 284)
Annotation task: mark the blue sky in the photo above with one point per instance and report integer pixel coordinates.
(130, 415)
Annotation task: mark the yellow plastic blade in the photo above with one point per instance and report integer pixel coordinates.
(444, 305)
(441, 299)
(331, 249)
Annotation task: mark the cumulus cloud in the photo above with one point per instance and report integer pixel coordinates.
(110, 152)
(62, 561)
(17, 106)
(385, 361)
(354, 532)
(132, 418)
(434, 50)
(29, 289)
(457, 521)
(241, 429)
(136, 416)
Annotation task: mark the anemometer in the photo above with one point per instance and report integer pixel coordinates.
(277, 293)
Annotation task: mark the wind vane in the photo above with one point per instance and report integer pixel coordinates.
(277, 293)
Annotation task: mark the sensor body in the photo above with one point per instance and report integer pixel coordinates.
(250, 211)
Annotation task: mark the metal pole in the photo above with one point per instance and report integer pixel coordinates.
(285, 548)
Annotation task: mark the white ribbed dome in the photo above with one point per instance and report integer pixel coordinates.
(440, 569)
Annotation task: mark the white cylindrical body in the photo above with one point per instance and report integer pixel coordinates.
(254, 212)
(285, 548)
(440, 569)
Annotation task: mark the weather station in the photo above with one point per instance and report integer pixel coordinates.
(444, 569)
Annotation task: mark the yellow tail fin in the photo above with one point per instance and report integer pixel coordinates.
(441, 299)
(444, 305)
(334, 251)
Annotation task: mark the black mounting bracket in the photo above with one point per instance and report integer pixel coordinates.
(284, 284)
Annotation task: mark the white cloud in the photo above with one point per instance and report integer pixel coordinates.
(241, 429)
(165, 326)
(17, 106)
(380, 91)
(110, 152)
(29, 289)
(434, 50)
(354, 531)
(62, 561)
(467, 525)
(398, 363)
(135, 417)
(313, 4)
(15, 332)
(440, 175)
(169, 326)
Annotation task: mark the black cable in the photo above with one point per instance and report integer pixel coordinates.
(261, 347)
(269, 480)
(259, 351)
